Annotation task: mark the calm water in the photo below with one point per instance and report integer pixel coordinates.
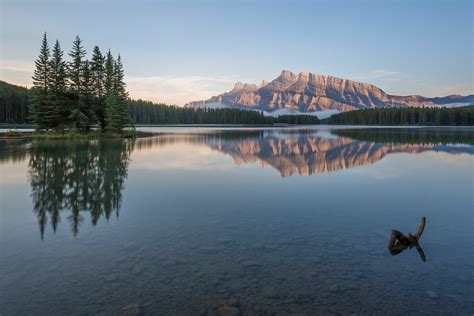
(222, 221)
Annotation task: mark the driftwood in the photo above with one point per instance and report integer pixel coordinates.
(398, 242)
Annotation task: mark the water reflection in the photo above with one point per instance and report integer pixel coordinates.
(77, 177)
(87, 177)
(308, 152)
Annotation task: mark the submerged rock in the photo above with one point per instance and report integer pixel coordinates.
(228, 311)
(130, 310)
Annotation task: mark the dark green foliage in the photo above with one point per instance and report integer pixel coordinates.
(297, 119)
(57, 85)
(116, 106)
(42, 109)
(13, 103)
(97, 68)
(97, 72)
(109, 73)
(406, 116)
(146, 112)
(75, 97)
(75, 66)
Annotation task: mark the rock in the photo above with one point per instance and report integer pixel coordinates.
(228, 311)
(307, 92)
(269, 292)
(137, 269)
(130, 310)
(432, 294)
(234, 302)
(110, 278)
(250, 264)
(333, 288)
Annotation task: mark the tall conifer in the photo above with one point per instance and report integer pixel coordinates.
(42, 111)
(97, 68)
(75, 66)
(109, 73)
(57, 84)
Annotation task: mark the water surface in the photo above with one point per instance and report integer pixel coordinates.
(257, 221)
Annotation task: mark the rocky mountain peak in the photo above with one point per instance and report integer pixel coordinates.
(310, 92)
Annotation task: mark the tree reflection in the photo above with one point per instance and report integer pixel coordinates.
(78, 177)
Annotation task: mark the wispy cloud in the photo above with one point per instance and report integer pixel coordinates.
(380, 74)
(16, 65)
(177, 89)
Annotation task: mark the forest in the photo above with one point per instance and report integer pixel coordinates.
(406, 116)
(15, 108)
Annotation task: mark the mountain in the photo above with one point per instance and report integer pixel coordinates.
(308, 92)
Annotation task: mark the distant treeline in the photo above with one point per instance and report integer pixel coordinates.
(425, 135)
(406, 116)
(13, 103)
(14, 109)
(146, 112)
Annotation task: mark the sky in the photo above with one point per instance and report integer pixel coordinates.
(181, 51)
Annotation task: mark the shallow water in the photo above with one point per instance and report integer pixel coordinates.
(254, 221)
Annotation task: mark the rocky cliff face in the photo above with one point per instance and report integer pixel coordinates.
(308, 92)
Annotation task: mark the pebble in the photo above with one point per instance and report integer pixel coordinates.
(130, 310)
(432, 294)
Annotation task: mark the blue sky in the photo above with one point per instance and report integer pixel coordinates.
(180, 51)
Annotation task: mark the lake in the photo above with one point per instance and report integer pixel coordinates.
(228, 221)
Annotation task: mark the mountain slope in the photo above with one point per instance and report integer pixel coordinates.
(308, 92)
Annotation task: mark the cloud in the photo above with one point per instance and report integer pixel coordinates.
(177, 89)
(17, 65)
(380, 74)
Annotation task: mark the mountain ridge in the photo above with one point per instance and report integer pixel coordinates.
(310, 92)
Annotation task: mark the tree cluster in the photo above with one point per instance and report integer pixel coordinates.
(78, 93)
(406, 116)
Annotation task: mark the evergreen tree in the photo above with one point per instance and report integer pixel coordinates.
(81, 112)
(97, 68)
(117, 111)
(75, 68)
(57, 84)
(42, 110)
(86, 95)
(97, 72)
(109, 73)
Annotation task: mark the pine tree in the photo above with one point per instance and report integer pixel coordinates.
(97, 68)
(42, 110)
(78, 118)
(86, 95)
(75, 68)
(122, 94)
(109, 73)
(117, 111)
(57, 84)
(97, 72)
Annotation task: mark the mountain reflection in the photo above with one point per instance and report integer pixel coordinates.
(308, 152)
(76, 180)
(78, 177)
